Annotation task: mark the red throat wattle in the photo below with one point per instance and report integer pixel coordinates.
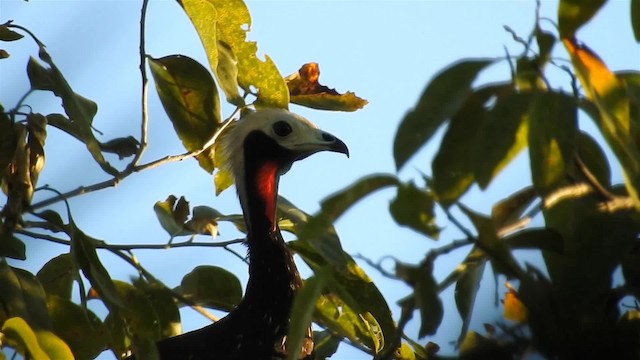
(266, 185)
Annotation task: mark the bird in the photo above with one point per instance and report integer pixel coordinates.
(259, 148)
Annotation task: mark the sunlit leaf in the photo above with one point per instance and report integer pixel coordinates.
(502, 137)
(443, 96)
(572, 14)
(204, 220)
(553, 130)
(514, 310)
(17, 330)
(172, 214)
(414, 208)
(453, 166)
(228, 22)
(609, 95)
(53, 346)
(305, 90)
(79, 327)
(190, 98)
(211, 286)
(301, 312)
(57, 276)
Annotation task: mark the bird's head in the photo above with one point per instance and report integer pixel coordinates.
(275, 135)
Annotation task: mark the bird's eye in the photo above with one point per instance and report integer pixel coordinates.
(282, 128)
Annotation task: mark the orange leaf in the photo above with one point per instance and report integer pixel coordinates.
(514, 309)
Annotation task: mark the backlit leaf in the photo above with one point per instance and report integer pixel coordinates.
(57, 276)
(467, 287)
(305, 90)
(414, 208)
(502, 137)
(18, 331)
(553, 130)
(443, 96)
(425, 295)
(301, 312)
(79, 327)
(7, 34)
(53, 346)
(211, 286)
(172, 214)
(228, 22)
(453, 166)
(164, 305)
(610, 97)
(204, 220)
(572, 14)
(190, 99)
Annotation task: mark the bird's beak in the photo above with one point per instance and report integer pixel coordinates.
(321, 141)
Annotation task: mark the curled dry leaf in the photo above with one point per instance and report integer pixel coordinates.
(305, 90)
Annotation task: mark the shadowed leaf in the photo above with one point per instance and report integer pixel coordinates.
(443, 96)
(305, 90)
(57, 276)
(165, 306)
(211, 286)
(539, 239)
(425, 295)
(414, 208)
(572, 14)
(23, 296)
(502, 137)
(594, 158)
(553, 130)
(301, 312)
(468, 285)
(325, 344)
(453, 166)
(190, 98)
(509, 210)
(635, 19)
(80, 328)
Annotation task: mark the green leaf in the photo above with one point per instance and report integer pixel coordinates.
(211, 286)
(336, 204)
(325, 344)
(301, 312)
(190, 98)
(79, 109)
(7, 34)
(553, 130)
(123, 146)
(8, 141)
(502, 137)
(414, 208)
(164, 305)
(501, 258)
(222, 26)
(635, 19)
(509, 210)
(610, 97)
(539, 239)
(172, 215)
(54, 346)
(572, 14)
(442, 98)
(18, 331)
(452, 166)
(325, 101)
(546, 41)
(83, 251)
(22, 296)
(467, 287)
(139, 313)
(425, 295)
(594, 158)
(79, 327)
(57, 276)
(11, 246)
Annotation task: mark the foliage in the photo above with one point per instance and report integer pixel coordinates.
(567, 310)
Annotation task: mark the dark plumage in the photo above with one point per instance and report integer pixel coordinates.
(259, 148)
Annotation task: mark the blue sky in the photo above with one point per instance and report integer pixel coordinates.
(384, 51)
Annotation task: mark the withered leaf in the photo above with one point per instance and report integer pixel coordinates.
(305, 90)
